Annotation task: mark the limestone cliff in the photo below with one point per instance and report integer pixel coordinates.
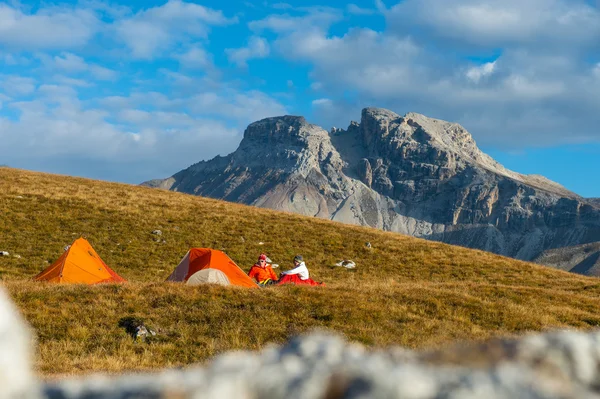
(409, 174)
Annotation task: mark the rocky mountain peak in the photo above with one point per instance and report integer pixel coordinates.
(283, 142)
(277, 122)
(411, 174)
(387, 129)
(378, 114)
(443, 145)
(280, 129)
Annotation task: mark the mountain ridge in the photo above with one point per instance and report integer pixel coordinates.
(594, 201)
(410, 174)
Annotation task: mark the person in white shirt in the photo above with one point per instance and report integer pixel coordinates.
(298, 275)
(299, 268)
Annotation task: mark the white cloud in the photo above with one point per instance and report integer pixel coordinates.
(207, 98)
(380, 6)
(57, 93)
(58, 132)
(476, 73)
(356, 10)
(115, 102)
(13, 59)
(134, 116)
(320, 19)
(70, 62)
(138, 135)
(68, 81)
(57, 27)
(257, 47)
(17, 85)
(151, 31)
(361, 58)
(111, 10)
(497, 23)
(195, 57)
(322, 102)
(4, 99)
(242, 106)
(102, 73)
(74, 64)
(521, 98)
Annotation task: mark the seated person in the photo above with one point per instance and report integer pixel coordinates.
(298, 275)
(262, 272)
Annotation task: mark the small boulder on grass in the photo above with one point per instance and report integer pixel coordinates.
(136, 328)
(348, 264)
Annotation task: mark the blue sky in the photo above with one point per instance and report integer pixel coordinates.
(129, 91)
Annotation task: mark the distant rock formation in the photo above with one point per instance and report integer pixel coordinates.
(594, 201)
(581, 259)
(413, 174)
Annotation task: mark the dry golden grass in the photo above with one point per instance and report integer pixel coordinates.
(404, 291)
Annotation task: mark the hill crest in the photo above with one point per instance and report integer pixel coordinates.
(404, 291)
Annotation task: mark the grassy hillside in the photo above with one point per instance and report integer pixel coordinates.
(404, 291)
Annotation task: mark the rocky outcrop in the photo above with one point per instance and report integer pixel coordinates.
(554, 365)
(16, 371)
(409, 174)
(581, 259)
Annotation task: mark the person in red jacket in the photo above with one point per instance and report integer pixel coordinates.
(262, 272)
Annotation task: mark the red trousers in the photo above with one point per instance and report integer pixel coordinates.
(295, 279)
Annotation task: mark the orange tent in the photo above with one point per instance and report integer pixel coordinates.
(198, 259)
(79, 264)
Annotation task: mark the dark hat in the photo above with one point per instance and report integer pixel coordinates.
(298, 258)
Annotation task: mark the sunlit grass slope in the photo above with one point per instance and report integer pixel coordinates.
(404, 291)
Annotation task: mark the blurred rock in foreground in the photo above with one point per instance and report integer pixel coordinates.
(16, 377)
(556, 365)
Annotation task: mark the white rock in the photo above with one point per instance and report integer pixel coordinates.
(16, 376)
(348, 264)
(553, 365)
